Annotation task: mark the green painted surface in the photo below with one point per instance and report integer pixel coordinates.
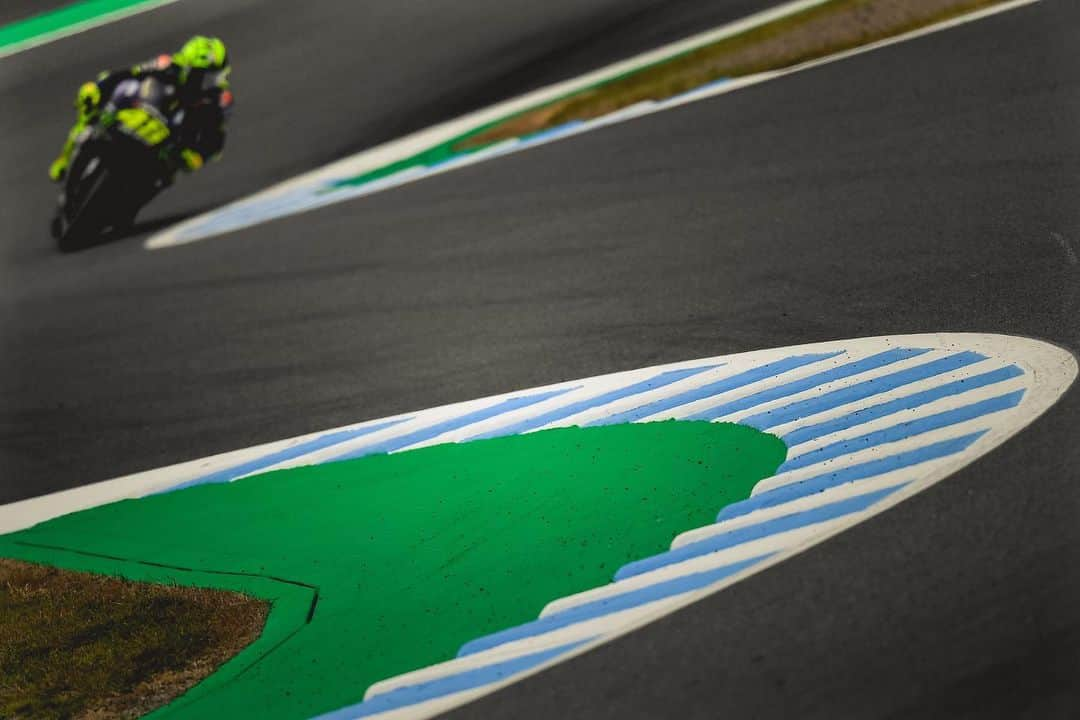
(416, 553)
(56, 22)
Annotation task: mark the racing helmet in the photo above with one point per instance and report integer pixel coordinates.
(204, 61)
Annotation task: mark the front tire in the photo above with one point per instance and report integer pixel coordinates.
(84, 216)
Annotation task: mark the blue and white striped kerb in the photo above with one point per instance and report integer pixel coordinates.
(322, 189)
(867, 423)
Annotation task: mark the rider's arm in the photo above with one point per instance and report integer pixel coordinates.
(108, 80)
(204, 134)
(215, 141)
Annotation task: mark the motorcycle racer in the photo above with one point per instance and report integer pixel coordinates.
(199, 76)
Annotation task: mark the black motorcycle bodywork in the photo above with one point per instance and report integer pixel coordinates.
(119, 165)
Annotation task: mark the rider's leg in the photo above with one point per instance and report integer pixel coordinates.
(86, 103)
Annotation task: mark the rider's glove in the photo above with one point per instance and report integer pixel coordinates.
(87, 100)
(58, 169)
(192, 160)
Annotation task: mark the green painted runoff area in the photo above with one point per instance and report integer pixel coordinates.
(412, 554)
(63, 18)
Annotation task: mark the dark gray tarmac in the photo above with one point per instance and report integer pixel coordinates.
(931, 186)
(89, 359)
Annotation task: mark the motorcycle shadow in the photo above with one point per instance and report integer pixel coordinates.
(139, 228)
(151, 225)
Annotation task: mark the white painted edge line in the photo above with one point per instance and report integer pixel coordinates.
(81, 27)
(410, 145)
(1053, 371)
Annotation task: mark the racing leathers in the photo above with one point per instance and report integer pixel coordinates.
(204, 96)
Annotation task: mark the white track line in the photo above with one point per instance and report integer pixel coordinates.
(81, 27)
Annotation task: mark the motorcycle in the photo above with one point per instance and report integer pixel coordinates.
(119, 165)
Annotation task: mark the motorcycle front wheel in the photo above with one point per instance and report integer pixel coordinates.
(78, 224)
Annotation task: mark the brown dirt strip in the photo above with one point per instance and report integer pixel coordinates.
(827, 29)
(77, 645)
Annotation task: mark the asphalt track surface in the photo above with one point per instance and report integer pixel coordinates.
(128, 360)
(929, 186)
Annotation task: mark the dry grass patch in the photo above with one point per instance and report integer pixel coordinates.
(76, 645)
(830, 28)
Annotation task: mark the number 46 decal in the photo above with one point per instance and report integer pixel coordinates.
(141, 123)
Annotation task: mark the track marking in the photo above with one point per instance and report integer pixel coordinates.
(873, 421)
(50, 26)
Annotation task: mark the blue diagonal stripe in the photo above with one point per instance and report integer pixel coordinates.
(552, 132)
(865, 415)
(271, 459)
(816, 484)
(750, 533)
(861, 391)
(466, 680)
(796, 386)
(431, 431)
(599, 608)
(657, 381)
(734, 382)
(904, 430)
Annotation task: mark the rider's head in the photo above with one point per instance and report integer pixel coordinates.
(203, 61)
